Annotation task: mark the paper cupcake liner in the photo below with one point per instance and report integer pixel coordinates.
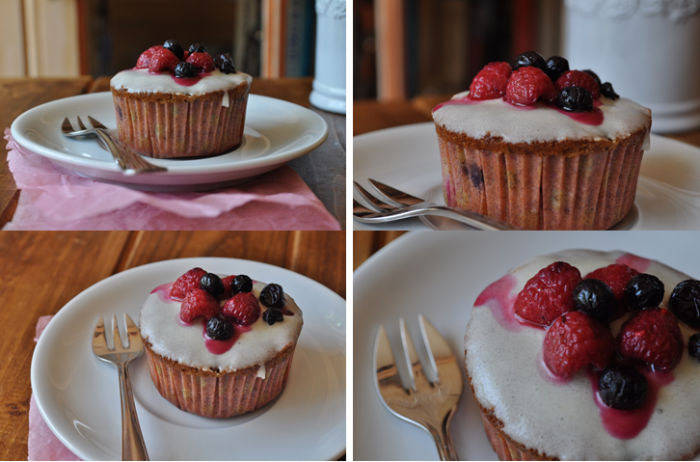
(199, 128)
(588, 191)
(506, 448)
(218, 395)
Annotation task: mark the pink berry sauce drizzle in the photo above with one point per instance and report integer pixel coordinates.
(500, 300)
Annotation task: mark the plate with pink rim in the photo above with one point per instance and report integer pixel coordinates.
(78, 395)
(407, 158)
(276, 132)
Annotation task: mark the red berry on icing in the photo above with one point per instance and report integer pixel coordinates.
(491, 81)
(243, 308)
(575, 340)
(549, 294)
(202, 61)
(528, 84)
(228, 289)
(187, 282)
(145, 57)
(162, 60)
(578, 79)
(616, 276)
(198, 302)
(652, 336)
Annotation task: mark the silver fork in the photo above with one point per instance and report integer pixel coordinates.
(133, 447)
(402, 205)
(127, 160)
(429, 404)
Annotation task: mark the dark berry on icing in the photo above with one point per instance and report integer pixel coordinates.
(241, 283)
(219, 329)
(592, 74)
(694, 346)
(185, 70)
(685, 302)
(596, 299)
(556, 66)
(530, 58)
(212, 284)
(224, 63)
(644, 291)
(175, 47)
(607, 90)
(575, 99)
(272, 295)
(273, 315)
(622, 387)
(197, 48)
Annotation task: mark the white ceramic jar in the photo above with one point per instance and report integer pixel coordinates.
(329, 78)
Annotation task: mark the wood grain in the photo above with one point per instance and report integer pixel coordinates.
(367, 243)
(370, 115)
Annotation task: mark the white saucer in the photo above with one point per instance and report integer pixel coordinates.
(440, 275)
(78, 395)
(408, 158)
(276, 132)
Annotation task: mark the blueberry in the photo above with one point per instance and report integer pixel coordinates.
(575, 99)
(644, 291)
(622, 387)
(592, 74)
(212, 284)
(607, 90)
(556, 66)
(685, 302)
(175, 47)
(224, 63)
(596, 299)
(273, 315)
(219, 329)
(197, 48)
(530, 58)
(241, 283)
(185, 70)
(694, 346)
(272, 295)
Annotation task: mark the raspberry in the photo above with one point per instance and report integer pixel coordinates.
(616, 276)
(528, 84)
(549, 293)
(228, 289)
(243, 308)
(145, 57)
(162, 60)
(491, 81)
(198, 302)
(652, 336)
(578, 79)
(187, 282)
(575, 340)
(202, 61)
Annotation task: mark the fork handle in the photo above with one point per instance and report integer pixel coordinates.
(112, 147)
(133, 447)
(443, 440)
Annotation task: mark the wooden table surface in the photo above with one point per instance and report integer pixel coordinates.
(367, 243)
(323, 169)
(42, 271)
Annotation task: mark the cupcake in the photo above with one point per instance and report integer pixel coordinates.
(219, 347)
(180, 104)
(586, 355)
(541, 146)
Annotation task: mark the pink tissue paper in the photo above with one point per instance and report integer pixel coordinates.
(53, 198)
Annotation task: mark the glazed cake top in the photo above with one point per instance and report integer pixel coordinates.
(504, 362)
(527, 124)
(143, 81)
(161, 326)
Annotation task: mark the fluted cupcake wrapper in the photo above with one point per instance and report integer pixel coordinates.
(588, 191)
(218, 396)
(506, 448)
(198, 128)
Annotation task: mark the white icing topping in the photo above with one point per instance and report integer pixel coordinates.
(142, 81)
(497, 118)
(261, 372)
(160, 325)
(563, 420)
(225, 100)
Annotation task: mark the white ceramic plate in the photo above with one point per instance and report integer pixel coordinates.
(408, 158)
(440, 275)
(78, 395)
(276, 132)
